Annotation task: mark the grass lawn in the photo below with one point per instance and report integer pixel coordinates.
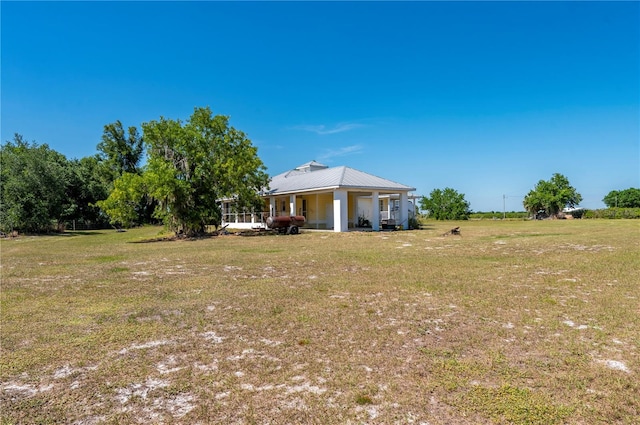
(513, 322)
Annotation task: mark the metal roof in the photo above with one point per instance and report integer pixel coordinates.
(314, 176)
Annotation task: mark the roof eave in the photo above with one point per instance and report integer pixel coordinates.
(313, 189)
(329, 188)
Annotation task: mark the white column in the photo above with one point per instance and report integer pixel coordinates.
(272, 206)
(317, 213)
(404, 210)
(340, 209)
(375, 220)
(292, 204)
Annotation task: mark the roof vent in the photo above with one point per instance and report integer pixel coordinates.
(311, 166)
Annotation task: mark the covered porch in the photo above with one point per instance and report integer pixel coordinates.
(341, 210)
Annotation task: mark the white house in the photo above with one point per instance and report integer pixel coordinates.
(338, 198)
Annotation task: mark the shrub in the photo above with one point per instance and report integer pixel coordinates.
(613, 213)
(498, 215)
(414, 222)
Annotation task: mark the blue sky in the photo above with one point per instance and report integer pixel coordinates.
(487, 98)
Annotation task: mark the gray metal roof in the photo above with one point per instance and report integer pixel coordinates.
(313, 176)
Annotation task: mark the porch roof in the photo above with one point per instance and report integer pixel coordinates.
(313, 176)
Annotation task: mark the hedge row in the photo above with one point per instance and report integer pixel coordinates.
(495, 215)
(610, 213)
(613, 213)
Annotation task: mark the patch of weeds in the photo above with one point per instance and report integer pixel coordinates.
(32, 403)
(107, 258)
(574, 356)
(363, 399)
(165, 295)
(118, 269)
(447, 371)
(178, 388)
(304, 341)
(548, 299)
(260, 251)
(452, 372)
(36, 410)
(515, 405)
(441, 353)
(526, 235)
(104, 318)
(145, 315)
(276, 310)
(304, 318)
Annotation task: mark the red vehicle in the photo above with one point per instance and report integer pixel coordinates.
(286, 224)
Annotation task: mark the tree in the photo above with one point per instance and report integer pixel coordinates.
(551, 196)
(85, 187)
(123, 204)
(446, 204)
(120, 153)
(193, 165)
(33, 184)
(628, 198)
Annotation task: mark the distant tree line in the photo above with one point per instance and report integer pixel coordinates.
(495, 215)
(41, 189)
(190, 167)
(549, 198)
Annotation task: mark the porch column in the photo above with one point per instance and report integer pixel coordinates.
(317, 214)
(375, 220)
(292, 204)
(272, 206)
(340, 209)
(404, 210)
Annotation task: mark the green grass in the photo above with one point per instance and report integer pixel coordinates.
(514, 322)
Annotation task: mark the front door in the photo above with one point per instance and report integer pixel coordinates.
(303, 210)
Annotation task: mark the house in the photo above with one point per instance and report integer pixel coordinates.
(337, 198)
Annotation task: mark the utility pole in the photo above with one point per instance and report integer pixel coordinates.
(504, 208)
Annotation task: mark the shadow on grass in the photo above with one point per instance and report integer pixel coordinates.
(173, 238)
(81, 233)
(65, 234)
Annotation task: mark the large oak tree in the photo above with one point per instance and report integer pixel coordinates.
(551, 196)
(193, 165)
